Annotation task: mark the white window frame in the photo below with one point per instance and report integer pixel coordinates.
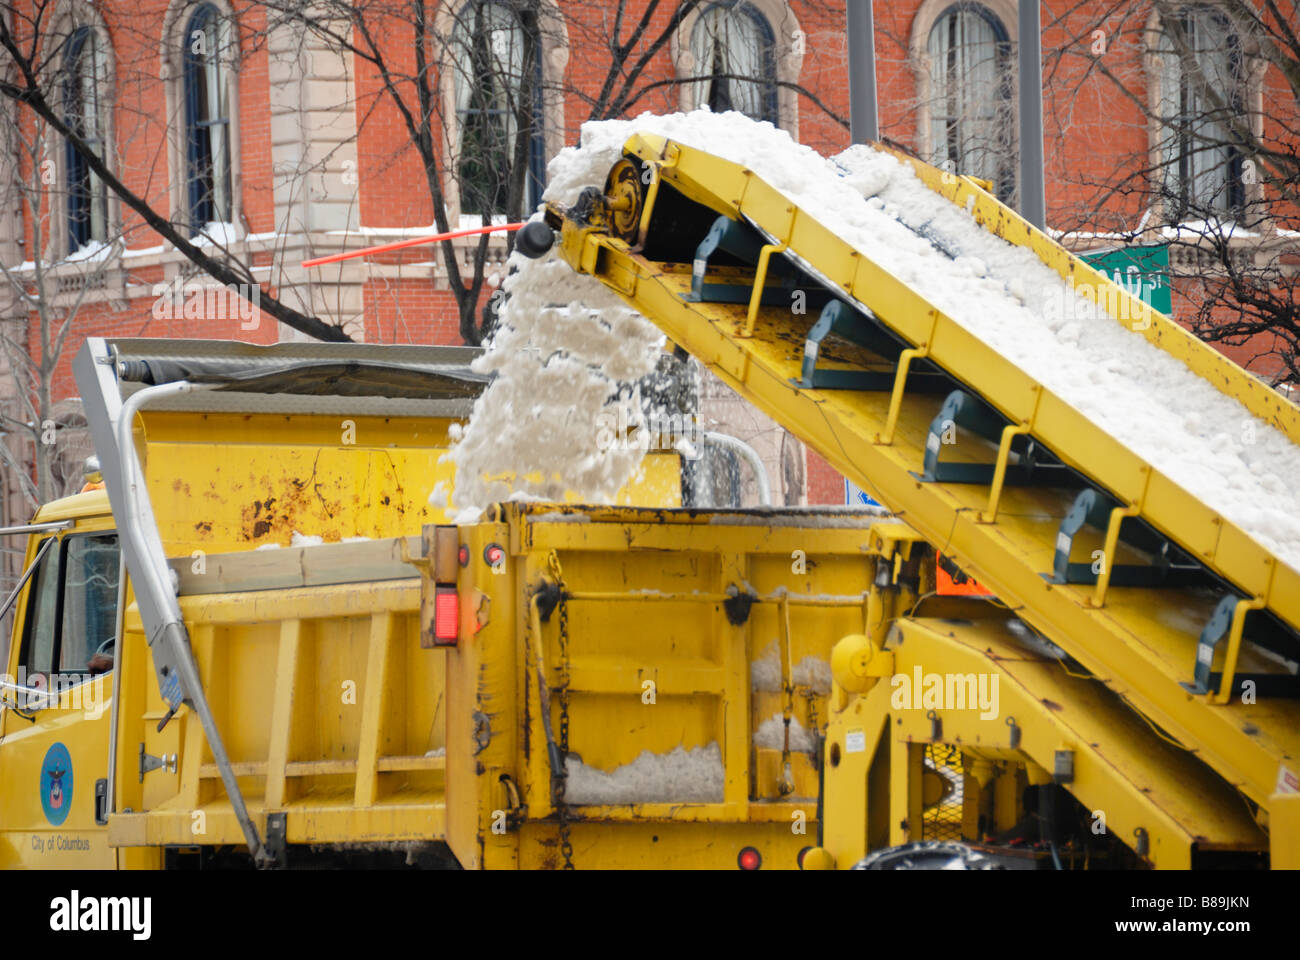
(70, 16)
(1254, 69)
(172, 60)
(789, 46)
(555, 57)
(927, 15)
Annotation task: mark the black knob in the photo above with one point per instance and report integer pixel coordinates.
(534, 239)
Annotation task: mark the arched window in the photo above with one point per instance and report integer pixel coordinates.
(972, 96)
(207, 53)
(497, 76)
(85, 85)
(733, 48)
(1201, 90)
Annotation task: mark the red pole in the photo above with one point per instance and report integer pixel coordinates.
(398, 245)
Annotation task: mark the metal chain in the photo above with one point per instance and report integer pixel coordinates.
(566, 847)
(562, 778)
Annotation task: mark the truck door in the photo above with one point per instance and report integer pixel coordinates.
(57, 707)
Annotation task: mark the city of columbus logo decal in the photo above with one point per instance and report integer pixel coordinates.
(56, 784)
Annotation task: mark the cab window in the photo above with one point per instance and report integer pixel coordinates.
(89, 601)
(72, 614)
(42, 614)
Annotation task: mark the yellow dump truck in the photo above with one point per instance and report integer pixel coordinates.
(272, 649)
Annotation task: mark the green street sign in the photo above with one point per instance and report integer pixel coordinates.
(1142, 271)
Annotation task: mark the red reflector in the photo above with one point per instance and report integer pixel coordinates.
(494, 554)
(464, 555)
(749, 859)
(446, 616)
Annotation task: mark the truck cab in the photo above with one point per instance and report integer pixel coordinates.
(55, 721)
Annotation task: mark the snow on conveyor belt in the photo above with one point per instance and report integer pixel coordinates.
(569, 328)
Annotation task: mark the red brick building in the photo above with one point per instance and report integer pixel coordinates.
(271, 143)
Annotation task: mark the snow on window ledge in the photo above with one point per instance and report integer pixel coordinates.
(216, 232)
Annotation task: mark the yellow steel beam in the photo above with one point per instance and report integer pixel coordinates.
(1284, 831)
(651, 846)
(999, 219)
(1124, 773)
(372, 707)
(853, 741)
(286, 687)
(484, 686)
(421, 816)
(643, 529)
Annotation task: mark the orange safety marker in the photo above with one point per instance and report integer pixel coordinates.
(948, 586)
(399, 244)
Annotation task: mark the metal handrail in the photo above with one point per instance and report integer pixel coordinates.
(137, 524)
(30, 528)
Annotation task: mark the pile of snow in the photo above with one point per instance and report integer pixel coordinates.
(1205, 441)
(771, 735)
(217, 232)
(681, 776)
(568, 345)
(765, 672)
(566, 356)
(300, 539)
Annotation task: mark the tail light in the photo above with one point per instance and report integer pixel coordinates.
(440, 606)
(749, 859)
(446, 616)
